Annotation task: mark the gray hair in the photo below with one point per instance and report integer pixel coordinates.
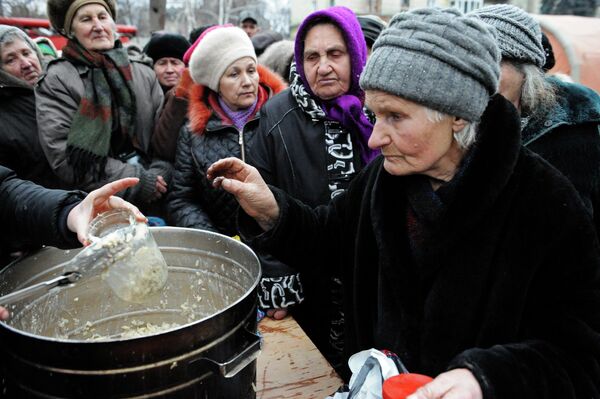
(537, 93)
(10, 35)
(465, 138)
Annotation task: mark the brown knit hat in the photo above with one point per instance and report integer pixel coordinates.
(61, 12)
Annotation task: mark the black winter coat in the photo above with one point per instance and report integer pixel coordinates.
(33, 216)
(193, 202)
(509, 284)
(20, 148)
(568, 136)
(290, 151)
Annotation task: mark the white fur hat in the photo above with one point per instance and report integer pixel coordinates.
(218, 49)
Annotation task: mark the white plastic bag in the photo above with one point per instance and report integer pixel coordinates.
(369, 369)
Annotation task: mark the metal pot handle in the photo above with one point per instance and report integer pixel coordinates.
(229, 368)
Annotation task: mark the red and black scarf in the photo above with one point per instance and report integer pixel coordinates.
(108, 98)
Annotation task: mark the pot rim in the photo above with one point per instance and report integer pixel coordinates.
(249, 291)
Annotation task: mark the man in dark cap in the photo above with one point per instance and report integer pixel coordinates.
(249, 23)
(166, 51)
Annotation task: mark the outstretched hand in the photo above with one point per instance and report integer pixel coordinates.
(98, 201)
(453, 384)
(248, 187)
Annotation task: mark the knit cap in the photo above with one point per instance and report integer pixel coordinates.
(519, 35)
(438, 58)
(162, 45)
(61, 12)
(215, 51)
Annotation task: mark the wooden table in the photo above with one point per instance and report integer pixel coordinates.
(290, 366)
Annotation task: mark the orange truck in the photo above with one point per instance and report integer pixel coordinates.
(576, 45)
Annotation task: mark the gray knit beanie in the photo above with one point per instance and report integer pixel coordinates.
(519, 35)
(438, 58)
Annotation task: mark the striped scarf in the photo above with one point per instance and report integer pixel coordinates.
(108, 95)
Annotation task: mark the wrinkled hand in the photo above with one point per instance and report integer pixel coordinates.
(99, 201)
(453, 384)
(248, 187)
(277, 314)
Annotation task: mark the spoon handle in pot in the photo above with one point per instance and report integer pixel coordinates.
(39, 288)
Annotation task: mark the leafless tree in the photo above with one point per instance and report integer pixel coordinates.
(21, 8)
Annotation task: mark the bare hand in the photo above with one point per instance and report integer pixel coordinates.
(248, 187)
(453, 384)
(4, 314)
(99, 201)
(161, 185)
(277, 314)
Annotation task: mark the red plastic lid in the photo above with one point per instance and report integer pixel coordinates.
(402, 385)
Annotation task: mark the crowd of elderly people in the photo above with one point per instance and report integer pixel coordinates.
(424, 187)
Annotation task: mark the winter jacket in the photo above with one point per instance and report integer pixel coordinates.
(208, 137)
(58, 94)
(33, 216)
(508, 284)
(20, 148)
(293, 152)
(568, 136)
(172, 118)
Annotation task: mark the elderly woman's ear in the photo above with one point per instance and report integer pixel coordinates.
(458, 124)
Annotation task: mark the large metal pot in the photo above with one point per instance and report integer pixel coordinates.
(210, 354)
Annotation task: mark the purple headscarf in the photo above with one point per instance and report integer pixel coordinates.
(346, 109)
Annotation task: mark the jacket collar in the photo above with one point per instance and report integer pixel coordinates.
(576, 104)
(8, 81)
(201, 107)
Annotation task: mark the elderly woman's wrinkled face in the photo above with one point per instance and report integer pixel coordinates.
(511, 83)
(327, 64)
(19, 59)
(410, 141)
(168, 71)
(94, 28)
(238, 86)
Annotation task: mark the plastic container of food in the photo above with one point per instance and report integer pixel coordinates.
(136, 268)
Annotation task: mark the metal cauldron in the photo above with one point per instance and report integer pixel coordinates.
(207, 350)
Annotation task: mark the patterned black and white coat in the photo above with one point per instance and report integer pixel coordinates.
(313, 159)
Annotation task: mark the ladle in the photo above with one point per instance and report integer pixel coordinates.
(89, 261)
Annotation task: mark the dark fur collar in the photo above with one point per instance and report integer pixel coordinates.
(576, 104)
(490, 164)
(199, 110)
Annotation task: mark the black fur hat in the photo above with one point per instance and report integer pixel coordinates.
(57, 11)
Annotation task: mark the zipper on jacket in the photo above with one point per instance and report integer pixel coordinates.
(241, 142)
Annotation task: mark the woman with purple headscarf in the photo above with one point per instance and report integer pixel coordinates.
(312, 141)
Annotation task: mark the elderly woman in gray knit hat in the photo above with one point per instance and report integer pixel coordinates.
(444, 259)
(560, 120)
(98, 107)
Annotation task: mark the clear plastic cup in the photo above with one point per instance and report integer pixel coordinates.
(136, 268)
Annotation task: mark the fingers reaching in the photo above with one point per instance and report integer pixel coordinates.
(4, 314)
